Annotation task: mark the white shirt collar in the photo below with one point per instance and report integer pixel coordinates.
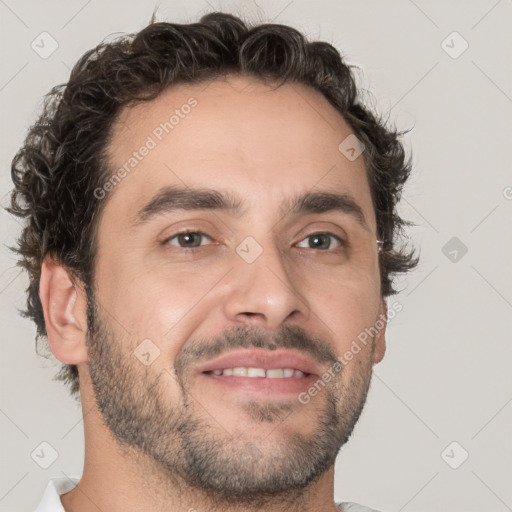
(51, 497)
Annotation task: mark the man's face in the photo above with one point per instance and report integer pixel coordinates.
(269, 284)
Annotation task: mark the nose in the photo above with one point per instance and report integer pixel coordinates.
(265, 293)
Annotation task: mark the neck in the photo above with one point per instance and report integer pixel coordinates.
(127, 493)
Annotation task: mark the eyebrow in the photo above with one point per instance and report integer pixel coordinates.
(171, 199)
(324, 202)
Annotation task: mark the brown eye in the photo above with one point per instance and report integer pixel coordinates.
(188, 239)
(321, 241)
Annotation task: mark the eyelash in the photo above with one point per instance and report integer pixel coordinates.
(340, 241)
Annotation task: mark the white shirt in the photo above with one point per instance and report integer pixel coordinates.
(57, 486)
(51, 497)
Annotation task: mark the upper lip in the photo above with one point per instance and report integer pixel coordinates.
(260, 358)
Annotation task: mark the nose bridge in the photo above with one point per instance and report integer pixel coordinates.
(263, 289)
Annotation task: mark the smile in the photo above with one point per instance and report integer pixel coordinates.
(271, 373)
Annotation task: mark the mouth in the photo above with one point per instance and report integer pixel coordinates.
(262, 371)
(270, 373)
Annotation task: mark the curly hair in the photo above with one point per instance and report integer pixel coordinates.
(63, 158)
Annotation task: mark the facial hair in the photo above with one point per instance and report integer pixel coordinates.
(234, 467)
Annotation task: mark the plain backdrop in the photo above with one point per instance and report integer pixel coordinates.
(443, 392)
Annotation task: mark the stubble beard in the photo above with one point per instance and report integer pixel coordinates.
(189, 446)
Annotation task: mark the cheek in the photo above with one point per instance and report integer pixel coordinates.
(164, 307)
(347, 309)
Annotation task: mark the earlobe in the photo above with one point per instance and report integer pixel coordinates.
(65, 312)
(379, 341)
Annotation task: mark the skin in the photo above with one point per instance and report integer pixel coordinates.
(265, 146)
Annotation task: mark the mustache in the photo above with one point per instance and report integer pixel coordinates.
(197, 351)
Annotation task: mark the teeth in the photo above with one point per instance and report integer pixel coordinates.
(255, 372)
(273, 373)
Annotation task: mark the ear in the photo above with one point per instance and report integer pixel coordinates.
(65, 312)
(379, 342)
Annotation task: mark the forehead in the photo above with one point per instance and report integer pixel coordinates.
(263, 142)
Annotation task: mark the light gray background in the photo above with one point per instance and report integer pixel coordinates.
(446, 375)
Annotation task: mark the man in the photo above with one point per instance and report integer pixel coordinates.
(211, 235)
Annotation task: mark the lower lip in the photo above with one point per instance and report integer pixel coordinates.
(263, 385)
